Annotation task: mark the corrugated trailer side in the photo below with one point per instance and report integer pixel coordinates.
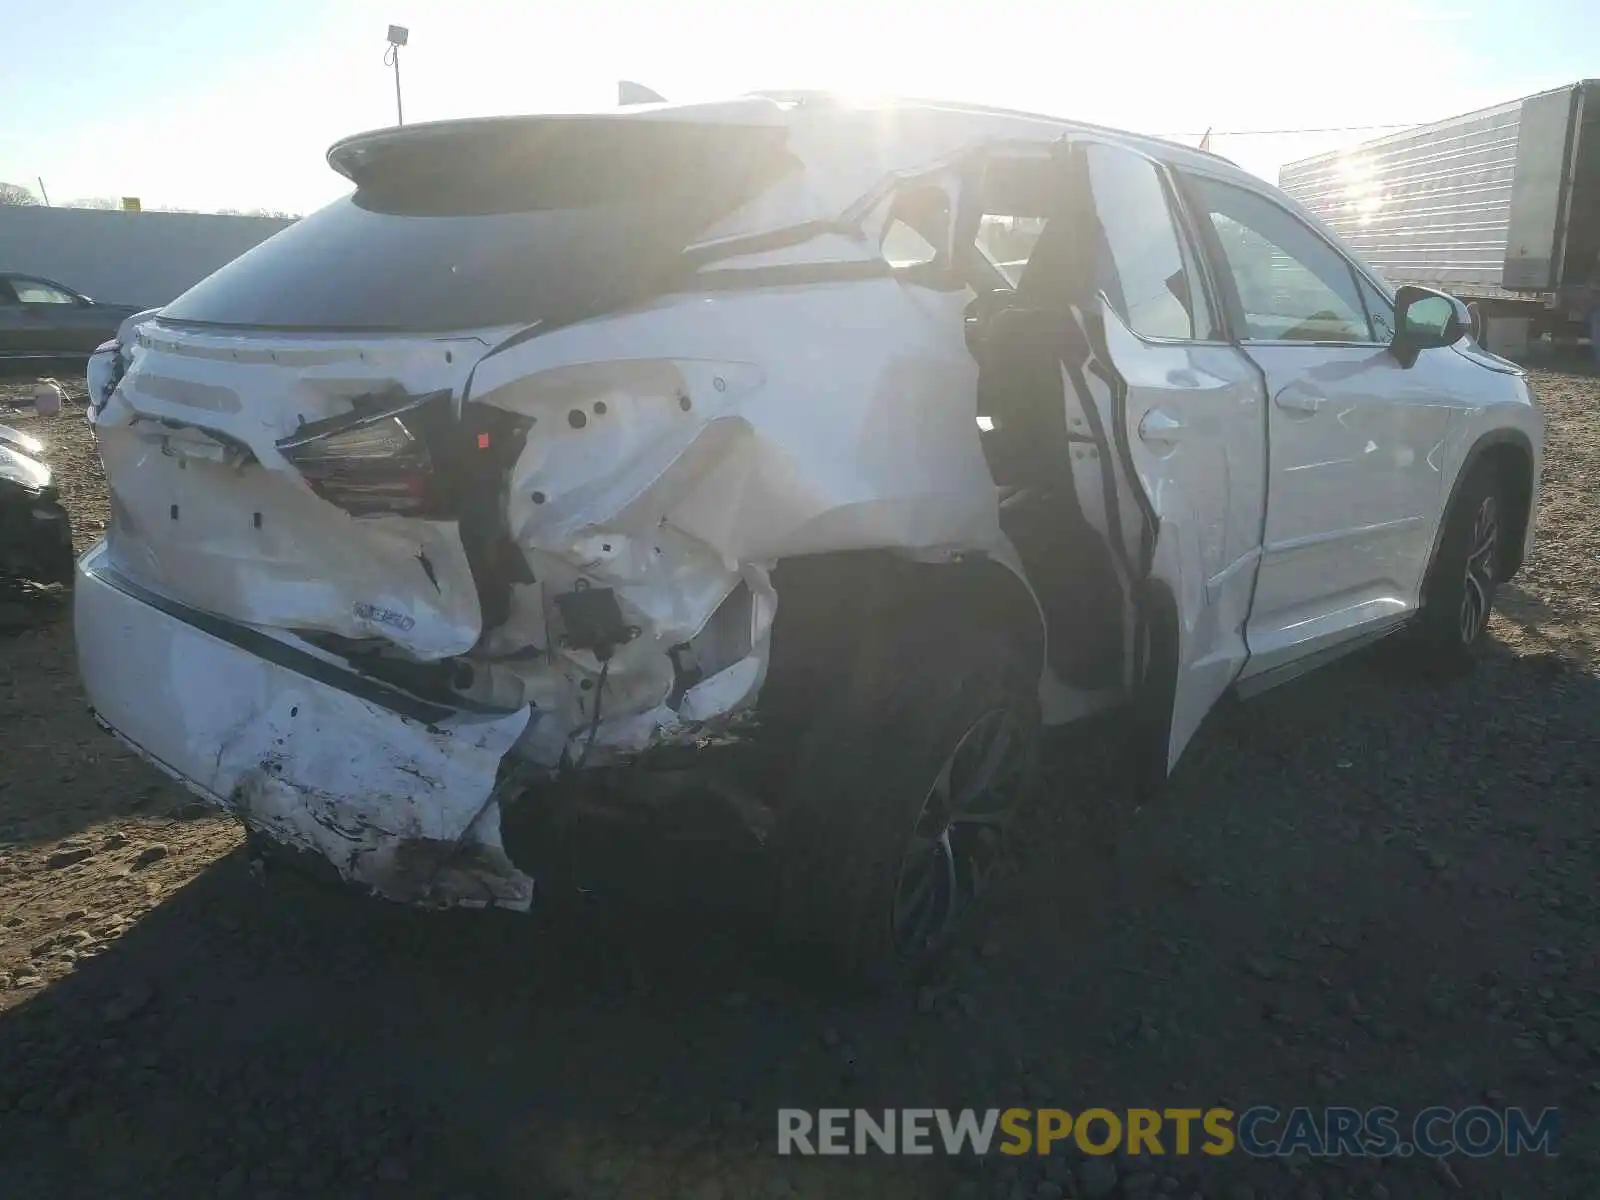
(1431, 205)
(1500, 206)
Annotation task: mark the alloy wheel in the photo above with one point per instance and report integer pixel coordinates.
(955, 845)
(1479, 589)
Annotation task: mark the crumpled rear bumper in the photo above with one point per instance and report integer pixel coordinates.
(398, 795)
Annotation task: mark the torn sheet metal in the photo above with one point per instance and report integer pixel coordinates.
(395, 804)
(795, 405)
(675, 479)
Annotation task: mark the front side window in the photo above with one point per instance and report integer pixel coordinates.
(1292, 286)
(1148, 282)
(34, 291)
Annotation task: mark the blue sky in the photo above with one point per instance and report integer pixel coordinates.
(229, 103)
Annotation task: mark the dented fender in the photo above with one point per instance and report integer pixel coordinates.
(679, 477)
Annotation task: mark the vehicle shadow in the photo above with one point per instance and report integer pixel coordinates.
(258, 1033)
(1521, 606)
(1535, 619)
(25, 605)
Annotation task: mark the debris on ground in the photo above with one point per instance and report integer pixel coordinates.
(1294, 921)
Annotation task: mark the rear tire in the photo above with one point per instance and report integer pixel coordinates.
(901, 793)
(1458, 593)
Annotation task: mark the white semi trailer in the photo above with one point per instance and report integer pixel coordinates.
(1499, 206)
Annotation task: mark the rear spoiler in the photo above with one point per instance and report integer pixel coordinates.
(355, 156)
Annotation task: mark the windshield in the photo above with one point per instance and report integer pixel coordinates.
(515, 222)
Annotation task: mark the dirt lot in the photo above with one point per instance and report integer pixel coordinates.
(1359, 890)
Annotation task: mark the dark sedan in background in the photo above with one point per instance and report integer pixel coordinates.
(42, 319)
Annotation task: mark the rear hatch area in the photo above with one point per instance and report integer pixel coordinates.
(287, 447)
(309, 529)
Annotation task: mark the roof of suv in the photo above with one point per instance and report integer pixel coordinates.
(956, 122)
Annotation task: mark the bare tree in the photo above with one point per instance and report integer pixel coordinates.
(14, 195)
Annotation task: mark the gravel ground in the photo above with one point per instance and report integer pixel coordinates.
(1358, 891)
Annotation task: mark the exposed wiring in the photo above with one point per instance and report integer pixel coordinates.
(594, 720)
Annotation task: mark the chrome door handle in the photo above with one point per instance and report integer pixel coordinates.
(1157, 426)
(1291, 400)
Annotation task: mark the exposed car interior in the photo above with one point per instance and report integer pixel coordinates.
(1033, 343)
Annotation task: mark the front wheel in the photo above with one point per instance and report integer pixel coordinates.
(1458, 594)
(901, 797)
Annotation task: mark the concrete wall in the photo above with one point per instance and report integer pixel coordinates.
(145, 259)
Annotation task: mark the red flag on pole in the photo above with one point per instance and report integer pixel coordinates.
(1205, 141)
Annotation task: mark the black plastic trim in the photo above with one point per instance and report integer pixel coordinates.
(761, 243)
(787, 275)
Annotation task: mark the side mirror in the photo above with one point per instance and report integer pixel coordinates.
(1426, 320)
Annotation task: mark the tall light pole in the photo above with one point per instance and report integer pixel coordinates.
(399, 35)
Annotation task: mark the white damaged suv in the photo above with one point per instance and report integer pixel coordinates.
(873, 436)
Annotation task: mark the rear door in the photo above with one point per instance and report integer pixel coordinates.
(1190, 425)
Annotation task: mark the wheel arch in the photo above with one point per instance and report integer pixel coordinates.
(833, 606)
(1511, 453)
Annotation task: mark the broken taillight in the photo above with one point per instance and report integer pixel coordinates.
(370, 462)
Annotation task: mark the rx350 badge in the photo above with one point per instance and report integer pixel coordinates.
(376, 614)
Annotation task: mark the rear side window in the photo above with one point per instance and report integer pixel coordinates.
(496, 223)
(1153, 289)
(904, 247)
(918, 226)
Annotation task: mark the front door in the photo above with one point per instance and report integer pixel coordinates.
(1354, 435)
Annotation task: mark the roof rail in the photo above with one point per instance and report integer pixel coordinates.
(813, 95)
